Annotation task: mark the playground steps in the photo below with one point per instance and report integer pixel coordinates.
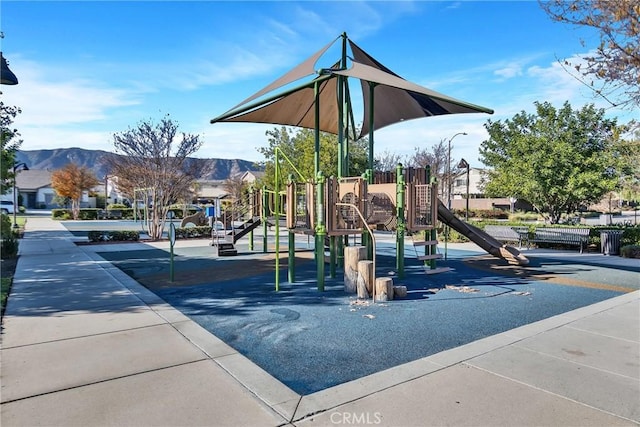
(429, 267)
(425, 242)
(226, 249)
(429, 257)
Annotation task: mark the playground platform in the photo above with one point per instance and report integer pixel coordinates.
(83, 343)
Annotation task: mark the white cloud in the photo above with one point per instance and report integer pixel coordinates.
(510, 71)
(47, 101)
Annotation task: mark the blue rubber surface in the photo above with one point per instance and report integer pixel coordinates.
(313, 340)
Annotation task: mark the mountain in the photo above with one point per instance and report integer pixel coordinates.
(212, 169)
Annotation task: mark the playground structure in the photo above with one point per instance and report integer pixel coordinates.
(350, 208)
(336, 207)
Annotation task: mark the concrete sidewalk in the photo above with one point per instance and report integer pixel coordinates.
(84, 344)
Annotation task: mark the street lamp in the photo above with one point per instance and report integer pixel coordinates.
(449, 169)
(446, 234)
(465, 165)
(15, 194)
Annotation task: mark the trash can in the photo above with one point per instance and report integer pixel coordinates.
(610, 241)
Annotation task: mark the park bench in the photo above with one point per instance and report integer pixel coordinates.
(505, 233)
(565, 236)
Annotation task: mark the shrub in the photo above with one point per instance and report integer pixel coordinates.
(61, 214)
(523, 216)
(630, 251)
(482, 213)
(119, 236)
(88, 214)
(631, 236)
(9, 239)
(9, 247)
(193, 232)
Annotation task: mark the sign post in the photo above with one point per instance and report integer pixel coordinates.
(172, 241)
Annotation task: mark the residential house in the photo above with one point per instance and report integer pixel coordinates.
(477, 199)
(35, 190)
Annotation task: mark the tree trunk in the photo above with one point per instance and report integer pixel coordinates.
(384, 289)
(365, 279)
(352, 255)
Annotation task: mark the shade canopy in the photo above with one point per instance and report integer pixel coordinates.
(395, 99)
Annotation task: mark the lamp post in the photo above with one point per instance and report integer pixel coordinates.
(449, 169)
(465, 165)
(15, 193)
(446, 234)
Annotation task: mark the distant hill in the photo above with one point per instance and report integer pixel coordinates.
(212, 169)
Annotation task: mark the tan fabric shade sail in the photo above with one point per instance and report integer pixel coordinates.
(395, 99)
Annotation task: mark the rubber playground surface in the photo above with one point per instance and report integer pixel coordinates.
(311, 340)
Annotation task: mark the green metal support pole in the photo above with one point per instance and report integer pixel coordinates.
(292, 247)
(316, 153)
(251, 195)
(400, 207)
(277, 209)
(372, 87)
(369, 171)
(265, 200)
(292, 257)
(321, 230)
(434, 232)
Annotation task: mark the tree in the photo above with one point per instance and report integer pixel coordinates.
(235, 187)
(557, 159)
(387, 161)
(153, 162)
(71, 181)
(629, 184)
(299, 148)
(9, 146)
(616, 60)
(436, 157)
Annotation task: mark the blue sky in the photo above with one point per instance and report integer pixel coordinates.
(89, 69)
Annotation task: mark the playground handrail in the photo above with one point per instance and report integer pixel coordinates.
(373, 240)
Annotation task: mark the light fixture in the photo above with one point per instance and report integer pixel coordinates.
(6, 75)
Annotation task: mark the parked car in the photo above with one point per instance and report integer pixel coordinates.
(6, 207)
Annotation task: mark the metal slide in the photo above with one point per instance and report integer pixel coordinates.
(480, 238)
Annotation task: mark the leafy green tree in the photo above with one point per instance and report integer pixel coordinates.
(629, 156)
(9, 146)
(557, 159)
(299, 147)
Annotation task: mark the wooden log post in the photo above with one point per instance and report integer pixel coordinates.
(365, 279)
(399, 291)
(384, 289)
(352, 255)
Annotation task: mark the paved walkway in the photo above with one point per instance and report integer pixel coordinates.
(83, 344)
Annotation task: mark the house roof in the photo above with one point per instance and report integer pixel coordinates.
(33, 179)
(252, 176)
